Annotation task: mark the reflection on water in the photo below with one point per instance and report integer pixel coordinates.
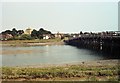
(56, 54)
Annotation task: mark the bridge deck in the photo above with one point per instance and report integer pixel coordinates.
(106, 44)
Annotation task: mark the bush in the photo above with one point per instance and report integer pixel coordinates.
(25, 37)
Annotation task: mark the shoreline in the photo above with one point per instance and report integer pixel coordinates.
(31, 44)
(102, 70)
(107, 62)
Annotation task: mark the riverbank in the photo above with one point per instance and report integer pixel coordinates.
(36, 42)
(101, 70)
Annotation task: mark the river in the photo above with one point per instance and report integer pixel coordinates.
(54, 54)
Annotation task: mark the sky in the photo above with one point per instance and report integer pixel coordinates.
(66, 17)
(119, 16)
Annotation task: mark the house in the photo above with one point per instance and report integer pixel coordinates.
(28, 31)
(58, 35)
(5, 36)
(46, 36)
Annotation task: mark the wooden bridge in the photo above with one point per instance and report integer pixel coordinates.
(109, 43)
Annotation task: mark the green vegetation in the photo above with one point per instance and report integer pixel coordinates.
(20, 35)
(25, 37)
(31, 42)
(76, 72)
(39, 34)
(14, 32)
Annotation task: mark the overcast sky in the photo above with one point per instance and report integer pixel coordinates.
(61, 16)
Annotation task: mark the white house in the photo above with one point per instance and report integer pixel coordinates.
(46, 36)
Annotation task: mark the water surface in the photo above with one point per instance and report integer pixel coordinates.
(55, 54)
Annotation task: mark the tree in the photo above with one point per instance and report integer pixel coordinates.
(81, 32)
(34, 34)
(14, 32)
(41, 32)
(25, 37)
(7, 32)
(20, 32)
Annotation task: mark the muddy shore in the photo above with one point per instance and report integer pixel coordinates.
(110, 62)
(100, 70)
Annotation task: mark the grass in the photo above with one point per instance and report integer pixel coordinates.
(25, 42)
(31, 41)
(69, 72)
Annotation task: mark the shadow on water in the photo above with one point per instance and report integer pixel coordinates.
(105, 55)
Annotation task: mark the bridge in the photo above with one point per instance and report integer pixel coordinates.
(105, 43)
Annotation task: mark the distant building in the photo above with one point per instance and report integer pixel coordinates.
(58, 35)
(28, 31)
(46, 36)
(75, 35)
(5, 36)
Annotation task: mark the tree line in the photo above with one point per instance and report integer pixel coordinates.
(39, 34)
(19, 34)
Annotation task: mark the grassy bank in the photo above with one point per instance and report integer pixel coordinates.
(31, 42)
(69, 72)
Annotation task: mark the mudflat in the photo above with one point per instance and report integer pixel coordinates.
(102, 70)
